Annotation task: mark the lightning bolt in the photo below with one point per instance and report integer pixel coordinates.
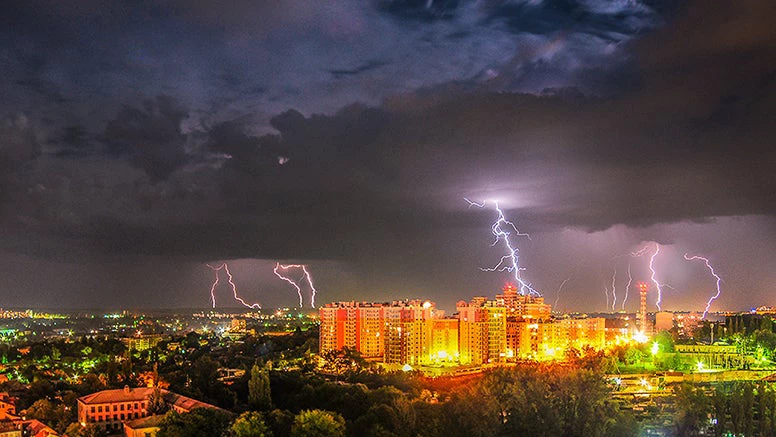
(305, 274)
(557, 295)
(606, 292)
(640, 252)
(510, 261)
(230, 279)
(215, 283)
(627, 287)
(658, 287)
(713, 273)
(614, 289)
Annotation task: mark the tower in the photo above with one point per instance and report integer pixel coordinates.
(641, 317)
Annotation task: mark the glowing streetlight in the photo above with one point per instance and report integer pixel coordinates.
(655, 348)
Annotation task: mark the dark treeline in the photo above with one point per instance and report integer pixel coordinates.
(734, 408)
(531, 399)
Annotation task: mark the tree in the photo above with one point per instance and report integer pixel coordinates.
(43, 410)
(90, 430)
(318, 423)
(345, 361)
(692, 408)
(259, 395)
(280, 421)
(200, 422)
(156, 402)
(633, 356)
(250, 424)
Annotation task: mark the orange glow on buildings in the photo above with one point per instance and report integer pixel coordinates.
(510, 327)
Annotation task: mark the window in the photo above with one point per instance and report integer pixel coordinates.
(115, 417)
(147, 434)
(122, 407)
(99, 408)
(136, 405)
(92, 409)
(115, 407)
(122, 416)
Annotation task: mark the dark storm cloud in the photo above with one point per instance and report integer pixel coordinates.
(165, 129)
(88, 60)
(151, 137)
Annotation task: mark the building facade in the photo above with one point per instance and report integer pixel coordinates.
(110, 410)
(412, 332)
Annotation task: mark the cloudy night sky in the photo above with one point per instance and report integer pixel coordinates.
(140, 141)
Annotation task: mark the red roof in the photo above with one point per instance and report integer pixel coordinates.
(35, 428)
(140, 394)
(118, 395)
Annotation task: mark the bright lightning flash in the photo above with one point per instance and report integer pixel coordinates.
(305, 275)
(713, 273)
(509, 262)
(230, 279)
(658, 287)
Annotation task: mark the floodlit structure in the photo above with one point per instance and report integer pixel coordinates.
(110, 410)
(642, 314)
(413, 332)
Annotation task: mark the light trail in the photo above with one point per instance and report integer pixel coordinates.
(510, 261)
(713, 273)
(305, 274)
(230, 279)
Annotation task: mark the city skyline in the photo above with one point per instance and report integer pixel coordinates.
(140, 143)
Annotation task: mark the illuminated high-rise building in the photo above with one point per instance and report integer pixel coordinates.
(588, 332)
(400, 332)
(511, 327)
(525, 306)
(482, 331)
(443, 340)
(356, 325)
(664, 321)
(405, 331)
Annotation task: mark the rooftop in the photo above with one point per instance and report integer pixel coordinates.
(145, 422)
(118, 395)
